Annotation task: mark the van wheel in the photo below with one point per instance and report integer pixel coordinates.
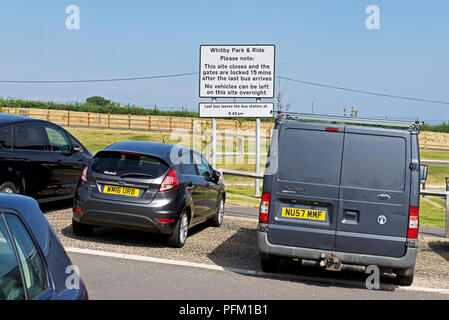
(179, 235)
(8, 187)
(81, 229)
(269, 263)
(404, 280)
(404, 277)
(217, 219)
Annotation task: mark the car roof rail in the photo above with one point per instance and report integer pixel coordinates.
(411, 124)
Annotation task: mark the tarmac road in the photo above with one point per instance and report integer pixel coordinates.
(119, 278)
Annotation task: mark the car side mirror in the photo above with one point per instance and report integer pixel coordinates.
(216, 175)
(422, 174)
(77, 149)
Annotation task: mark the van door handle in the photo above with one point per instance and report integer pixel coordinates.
(350, 216)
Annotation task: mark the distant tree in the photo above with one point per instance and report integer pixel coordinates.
(99, 101)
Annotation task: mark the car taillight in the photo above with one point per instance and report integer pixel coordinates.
(413, 222)
(84, 174)
(264, 208)
(165, 220)
(170, 181)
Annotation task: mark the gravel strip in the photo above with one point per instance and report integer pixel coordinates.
(231, 245)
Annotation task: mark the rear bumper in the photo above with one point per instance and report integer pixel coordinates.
(406, 261)
(134, 216)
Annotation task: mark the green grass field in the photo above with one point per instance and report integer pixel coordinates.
(240, 190)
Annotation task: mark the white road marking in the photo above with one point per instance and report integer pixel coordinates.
(218, 268)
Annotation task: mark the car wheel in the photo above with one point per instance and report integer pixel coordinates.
(81, 229)
(269, 263)
(217, 219)
(179, 236)
(8, 187)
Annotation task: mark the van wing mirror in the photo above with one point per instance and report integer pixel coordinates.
(422, 173)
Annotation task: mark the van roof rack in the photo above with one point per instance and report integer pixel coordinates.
(412, 124)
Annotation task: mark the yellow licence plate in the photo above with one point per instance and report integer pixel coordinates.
(124, 191)
(307, 214)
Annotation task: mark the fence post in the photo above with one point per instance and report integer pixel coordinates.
(149, 123)
(48, 114)
(129, 122)
(68, 118)
(88, 119)
(171, 126)
(446, 233)
(109, 120)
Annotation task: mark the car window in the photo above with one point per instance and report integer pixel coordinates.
(11, 285)
(187, 165)
(33, 268)
(122, 163)
(57, 139)
(362, 168)
(201, 164)
(6, 137)
(310, 156)
(29, 137)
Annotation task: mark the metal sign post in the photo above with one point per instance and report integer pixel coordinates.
(214, 139)
(257, 186)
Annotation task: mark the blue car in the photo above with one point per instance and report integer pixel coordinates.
(33, 262)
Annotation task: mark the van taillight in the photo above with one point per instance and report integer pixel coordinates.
(413, 222)
(264, 208)
(84, 174)
(170, 181)
(331, 129)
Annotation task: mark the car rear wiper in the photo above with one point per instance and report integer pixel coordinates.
(136, 174)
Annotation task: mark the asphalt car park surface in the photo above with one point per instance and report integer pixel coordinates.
(233, 247)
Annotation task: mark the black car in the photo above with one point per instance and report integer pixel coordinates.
(33, 263)
(148, 186)
(39, 159)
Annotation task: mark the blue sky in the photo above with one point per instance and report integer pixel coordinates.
(320, 41)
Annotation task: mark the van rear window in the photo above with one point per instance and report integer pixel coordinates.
(132, 164)
(310, 156)
(374, 162)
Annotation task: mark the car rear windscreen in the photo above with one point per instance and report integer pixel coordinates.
(310, 156)
(125, 163)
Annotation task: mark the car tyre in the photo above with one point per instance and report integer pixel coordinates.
(269, 263)
(81, 229)
(8, 187)
(179, 236)
(217, 219)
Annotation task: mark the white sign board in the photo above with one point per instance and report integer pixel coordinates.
(237, 71)
(236, 110)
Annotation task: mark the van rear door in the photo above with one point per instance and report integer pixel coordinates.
(305, 188)
(374, 193)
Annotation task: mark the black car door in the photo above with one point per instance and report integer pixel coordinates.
(67, 165)
(210, 187)
(32, 161)
(195, 185)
